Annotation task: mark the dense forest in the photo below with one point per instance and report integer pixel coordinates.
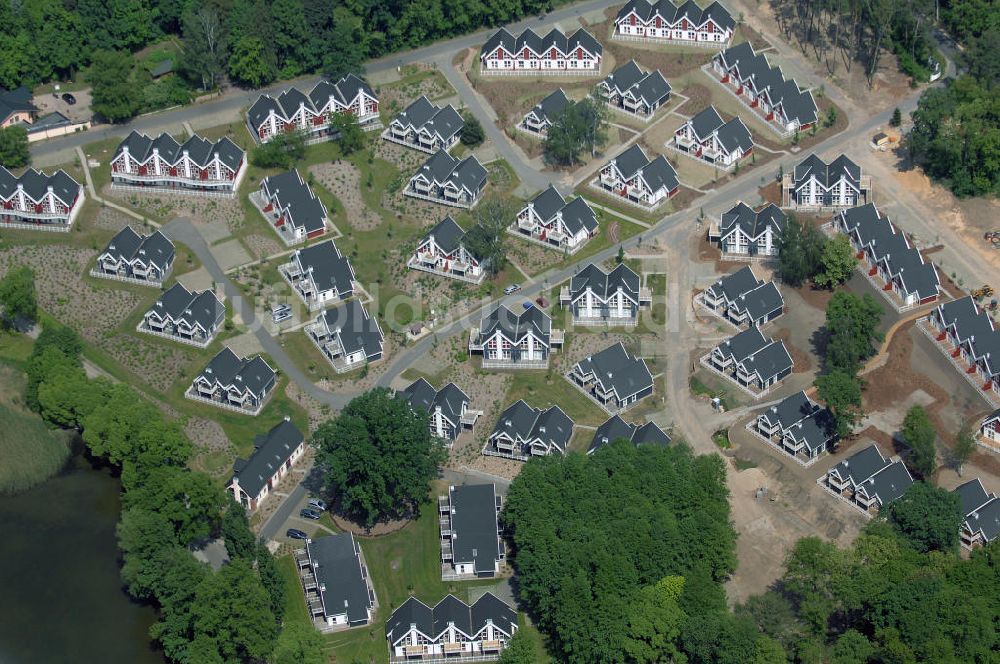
(252, 41)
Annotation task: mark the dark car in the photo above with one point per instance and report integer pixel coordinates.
(295, 533)
(68, 98)
(307, 513)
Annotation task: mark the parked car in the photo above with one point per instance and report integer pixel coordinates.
(317, 504)
(295, 533)
(307, 513)
(68, 98)
(281, 317)
(513, 288)
(280, 308)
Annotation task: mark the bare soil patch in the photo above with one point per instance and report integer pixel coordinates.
(771, 192)
(206, 434)
(113, 220)
(699, 97)
(317, 412)
(343, 180)
(802, 361)
(405, 159)
(397, 96)
(378, 529)
(671, 63)
(261, 246)
(162, 206)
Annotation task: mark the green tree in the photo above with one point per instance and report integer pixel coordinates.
(841, 392)
(281, 151)
(928, 517)
(919, 437)
(65, 396)
(66, 348)
(831, 117)
(18, 298)
(115, 93)
(814, 571)
(965, 445)
(378, 457)
(838, 262)
(191, 502)
(143, 537)
(252, 63)
(654, 623)
(851, 647)
(578, 127)
(773, 615)
(472, 133)
(180, 577)
(231, 610)
(239, 539)
(14, 151)
(350, 136)
(204, 55)
(301, 643)
(896, 119)
(518, 651)
(117, 24)
(800, 251)
(487, 240)
(852, 330)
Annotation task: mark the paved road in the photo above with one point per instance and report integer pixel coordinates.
(229, 106)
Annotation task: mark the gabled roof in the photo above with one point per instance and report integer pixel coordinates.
(889, 483)
(524, 423)
(328, 268)
(616, 369)
(491, 608)
(765, 79)
(474, 526)
(287, 104)
(672, 13)
(36, 184)
(14, 101)
(828, 174)
(792, 409)
(986, 520)
(705, 122)
(769, 361)
(552, 105)
(577, 215)
(422, 114)
(515, 326)
(657, 173)
(251, 374)
(431, 622)
(199, 150)
(651, 87)
(734, 135)
(538, 44)
(615, 428)
(760, 302)
(447, 234)
(420, 394)
(442, 168)
(752, 224)
(604, 284)
(860, 466)
(744, 344)
(293, 194)
(548, 203)
(338, 571)
(815, 431)
(271, 451)
(196, 308)
(624, 77)
(733, 285)
(631, 161)
(356, 329)
(972, 495)
(127, 245)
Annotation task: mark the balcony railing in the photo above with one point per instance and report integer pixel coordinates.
(198, 343)
(101, 274)
(192, 394)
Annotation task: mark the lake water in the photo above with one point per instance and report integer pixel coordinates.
(62, 596)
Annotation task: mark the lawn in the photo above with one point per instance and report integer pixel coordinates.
(602, 241)
(542, 389)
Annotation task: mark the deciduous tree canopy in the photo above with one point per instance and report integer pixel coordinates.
(928, 517)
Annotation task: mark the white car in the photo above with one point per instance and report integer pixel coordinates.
(281, 317)
(513, 288)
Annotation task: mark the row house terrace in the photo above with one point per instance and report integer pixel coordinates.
(636, 179)
(448, 411)
(538, 120)
(816, 185)
(523, 432)
(764, 90)
(425, 127)
(867, 480)
(507, 340)
(312, 112)
(273, 456)
(140, 259)
(291, 208)
(347, 336)
(981, 513)
(190, 317)
(709, 139)
(161, 164)
(240, 384)
(798, 427)
(451, 631)
(750, 360)
(971, 340)
(319, 275)
(596, 297)
(529, 53)
(443, 252)
(743, 233)
(37, 201)
(633, 91)
(471, 545)
(664, 21)
(613, 378)
(550, 221)
(615, 429)
(887, 258)
(338, 588)
(445, 180)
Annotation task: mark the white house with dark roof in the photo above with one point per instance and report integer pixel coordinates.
(772, 422)
(614, 378)
(636, 179)
(752, 361)
(442, 251)
(615, 428)
(347, 336)
(530, 53)
(426, 127)
(887, 259)
(596, 297)
(508, 340)
(742, 299)
(140, 259)
(448, 408)
(550, 221)
(633, 91)
(445, 180)
(989, 431)
(242, 384)
(522, 432)
(337, 586)
(868, 480)
(471, 546)
(37, 201)
(981, 512)
(319, 275)
(816, 184)
(161, 164)
(744, 233)
(969, 336)
(311, 113)
(451, 630)
(191, 317)
(273, 456)
(290, 206)
(707, 138)
(538, 120)
(764, 90)
(684, 24)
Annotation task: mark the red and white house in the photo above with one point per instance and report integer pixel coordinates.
(989, 431)
(273, 456)
(707, 138)
(312, 112)
(686, 24)
(971, 339)
(529, 53)
(291, 207)
(163, 164)
(38, 201)
(637, 179)
(442, 251)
